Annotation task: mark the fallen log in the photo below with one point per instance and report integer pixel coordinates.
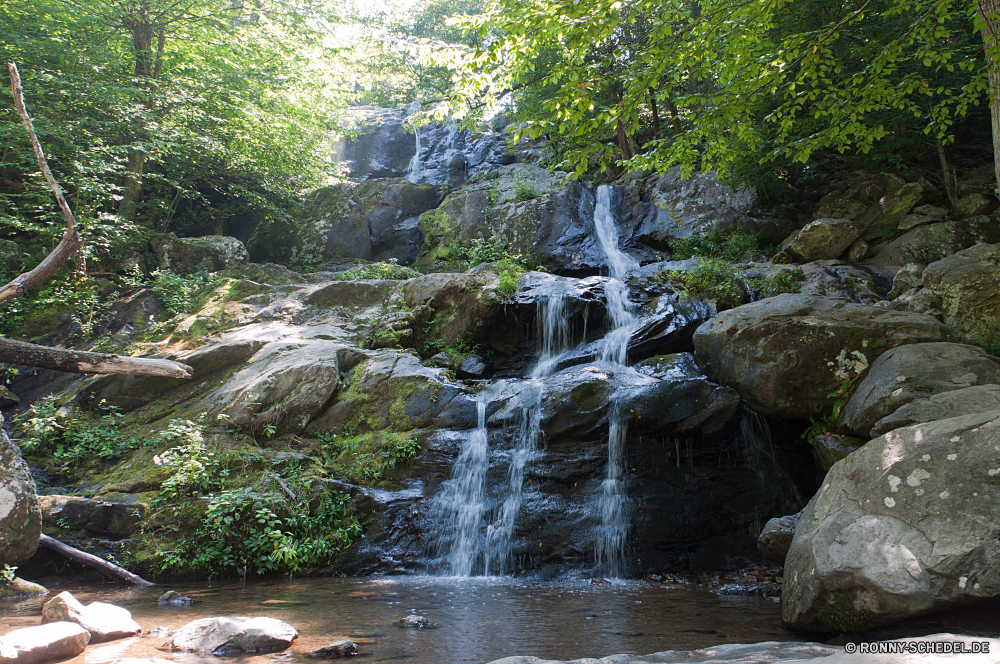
(79, 361)
(84, 558)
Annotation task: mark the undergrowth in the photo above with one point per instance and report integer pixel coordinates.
(715, 244)
(723, 283)
(71, 439)
(384, 270)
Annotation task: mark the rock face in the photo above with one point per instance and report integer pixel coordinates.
(932, 242)
(911, 372)
(961, 291)
(105, 622)
(210, 253)
(781, 354)
(20, 513)
(44, 643)
(864, 284)
(228, 635)
(942, 406)
(887, 536)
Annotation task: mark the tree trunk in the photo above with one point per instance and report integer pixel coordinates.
(78, 361)
(656, 113)
(90, 560)
(989, 16)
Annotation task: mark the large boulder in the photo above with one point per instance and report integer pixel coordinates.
(911, 372)
(785, 354)
(667, 326)
(776, 537)
(43, 643)
(20, 513)
(456, 306)
(210, 253)
(101, 516)
(858, 196)
(824, 239)
(105, 622)
(907, 524)
(884, 215)
(932, 242)
(962, 291)
(229, 635)
(865, 284)
(941, 406)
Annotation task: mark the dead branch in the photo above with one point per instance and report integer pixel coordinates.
(78, 361)
(90, 560)
(71, 241)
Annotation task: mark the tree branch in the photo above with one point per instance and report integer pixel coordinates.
(71, 241)
(78, 361)
(84, 558)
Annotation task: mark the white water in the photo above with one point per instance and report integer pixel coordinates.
(413, 170)
(610, 547)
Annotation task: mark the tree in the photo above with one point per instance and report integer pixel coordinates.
(792, 78)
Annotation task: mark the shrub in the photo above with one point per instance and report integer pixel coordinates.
(714, 244)
(178, 293)
(82, 437)
(524, 190)
(384, 270)
(713, 280)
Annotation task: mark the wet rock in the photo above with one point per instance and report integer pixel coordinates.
(210, 253)
(908, 276)
(174, 598)
(941, 406)
(914, 371)
(961, 291)
(344, 648)
(441, 359)
(830, 449)
(335, 225)
(776, 537)
(20, 514)
(667, 327)
(400, 242)
(230, 635)
(472, 367)
(105, 622)
(110, 518)
(43, 643)
(857, 251)
(824, 239)
(749, 653)
(780, 354)
(932, 242)
(159, 632)
(141, 660)
(21, 588)
(887, 536)
(413, 621)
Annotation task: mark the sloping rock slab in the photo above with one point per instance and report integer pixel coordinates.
(20, 515)
(913, 371)
(967, 401)
(668, 328)
(780, 353)
(105, 622)
(43, 643)
(776, 537)
(230, 635)
(907, 524)
(745, 653)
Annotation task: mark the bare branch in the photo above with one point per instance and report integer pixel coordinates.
(91, 560)
(79, 361)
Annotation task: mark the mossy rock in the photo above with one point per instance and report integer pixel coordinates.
(21, 588)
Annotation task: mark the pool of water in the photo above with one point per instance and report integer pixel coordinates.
(471, 620)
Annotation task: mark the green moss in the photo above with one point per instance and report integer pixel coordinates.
(840, 613)
(586, 396)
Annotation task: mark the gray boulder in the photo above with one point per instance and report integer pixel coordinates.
(211, 253)
(20, 513)
(830, 449)
(855, 199)
(884, 215)
(941, 406)
(906, 278)
(667, 326)
(971, 205)
(105, 622)
(961, 291)
(776, 537)
(824, 239)
(344, 648)
(785, 354)
(864, 284)
(174, 598)
(910, 372)
(111, 518)
(229, 635)
(932, 242)
(43, 643)
(413, 621)
(888, 534)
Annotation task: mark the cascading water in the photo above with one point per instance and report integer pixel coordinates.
(610, 547)
(413, 170)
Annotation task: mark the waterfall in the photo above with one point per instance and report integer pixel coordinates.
(553, 333)
(610, 547)
(413, 170)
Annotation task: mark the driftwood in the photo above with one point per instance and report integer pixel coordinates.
(84, 558)
(16, 352)
(71, 241)
(78, 361)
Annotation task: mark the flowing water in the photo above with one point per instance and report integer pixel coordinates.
(472, 620)
(413, 170)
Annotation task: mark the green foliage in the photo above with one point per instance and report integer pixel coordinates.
(714, 244)
(194, 471)
(178, 293)
(261, 531)
(713, 280)
(368, 458)
(8, 573)
(523, 190)
(82, 437)
(508, 266)
(848, 367)
(384, 270)
(781, 281)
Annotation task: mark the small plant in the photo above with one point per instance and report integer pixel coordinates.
(7, 574)
(523, 190)
(848, 368)
(713, 280)
(783, 281)
(83, 437)
(715, 244)
(178, 293)
(385, 270)
(194, 470)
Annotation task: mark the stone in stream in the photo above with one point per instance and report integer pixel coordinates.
(174, 598)
(911, 372)
(21, 588)
(783, 354)
(343, 648)
(105, 622)
(43, 643)
(772, 652)
(413, 621)
(227, 635)
(907, 524)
